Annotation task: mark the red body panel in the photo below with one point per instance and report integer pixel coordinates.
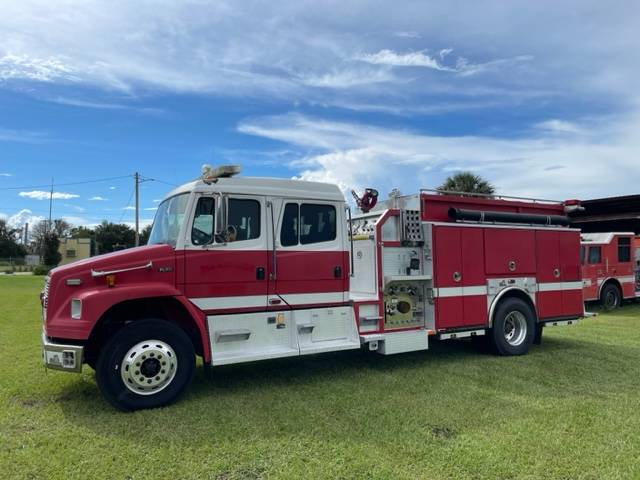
(311, 271)
(435, 207)
(225, 273)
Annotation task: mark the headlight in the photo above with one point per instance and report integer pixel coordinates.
(76, 308)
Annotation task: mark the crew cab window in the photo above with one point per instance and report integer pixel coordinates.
(624, 249)
(243, 219)
(203, 221)
(595, 255)
(307, 223)
(582, 254)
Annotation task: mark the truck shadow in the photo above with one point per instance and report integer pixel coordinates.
(339, 383)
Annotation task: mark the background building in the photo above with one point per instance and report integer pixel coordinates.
(73, 249)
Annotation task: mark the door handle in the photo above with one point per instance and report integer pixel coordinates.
(259, 273)
(337, 272)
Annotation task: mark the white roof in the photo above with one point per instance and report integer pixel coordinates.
(606, 237)
(276, 187)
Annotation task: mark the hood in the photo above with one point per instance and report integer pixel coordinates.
(130, 257)
(79, 278)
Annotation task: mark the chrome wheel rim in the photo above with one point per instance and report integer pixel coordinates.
(149, 367)
(515, 328)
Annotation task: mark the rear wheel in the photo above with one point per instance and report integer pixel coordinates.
(146, 364)
(610, 297)
(513, 329)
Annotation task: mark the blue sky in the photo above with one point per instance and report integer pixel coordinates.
(539, 97)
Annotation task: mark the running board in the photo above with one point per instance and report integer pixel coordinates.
(560, 323)
(397, 342)
(463, 334)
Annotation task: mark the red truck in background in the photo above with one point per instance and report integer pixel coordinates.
(245, 269)
(610, 267)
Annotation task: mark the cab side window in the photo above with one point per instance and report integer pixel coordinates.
(202, 229)
(595, 255)
(624, 249)
(307, 223)
(582, 254)
(289, 230)
(317, 223)
(243, 219)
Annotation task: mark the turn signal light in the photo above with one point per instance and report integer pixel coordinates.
(111, 281)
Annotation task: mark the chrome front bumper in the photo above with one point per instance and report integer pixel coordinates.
(57, 356)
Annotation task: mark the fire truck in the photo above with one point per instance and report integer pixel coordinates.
(244, 269)
(610, 270)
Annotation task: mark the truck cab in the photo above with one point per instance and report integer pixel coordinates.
(238, 269)
(608, 268)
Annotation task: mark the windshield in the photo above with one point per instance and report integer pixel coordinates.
(168, 220)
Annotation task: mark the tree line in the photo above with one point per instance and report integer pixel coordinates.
(44, 239)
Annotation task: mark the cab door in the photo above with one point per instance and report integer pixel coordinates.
(594, 272)
(310, 275)
(227, 271)
(311, 260)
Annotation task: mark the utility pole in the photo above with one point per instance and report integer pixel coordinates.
(136, 178)
(50, 206)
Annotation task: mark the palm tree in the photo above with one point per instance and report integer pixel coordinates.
(467, 182)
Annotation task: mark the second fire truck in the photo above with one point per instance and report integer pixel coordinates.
(244, 269)
(610, 267)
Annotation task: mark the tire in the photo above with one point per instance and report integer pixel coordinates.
(514, 328)
(610, 297)
(146, 364)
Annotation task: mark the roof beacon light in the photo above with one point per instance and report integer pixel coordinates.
(211, 175)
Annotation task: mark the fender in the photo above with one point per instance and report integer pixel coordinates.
(96, 301)
(605, 280)
(500, 294)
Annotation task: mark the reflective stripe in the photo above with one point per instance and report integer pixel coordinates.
(313, 298)
(553, 286)
(444, 292)
(260, 301)
(629, 279)
(219, 303)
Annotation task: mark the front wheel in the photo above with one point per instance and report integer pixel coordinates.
(146, 364)
(513, 329)
(610, 297)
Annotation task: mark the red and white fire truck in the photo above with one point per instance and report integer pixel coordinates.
(244, 269)
(609, 268)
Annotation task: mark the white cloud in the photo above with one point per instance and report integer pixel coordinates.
(98, 198)
(112, 188)
(25, 215)
(6, 175)
(22, 136)
(34, 68)
(543, 164)
(407, 34)
(411, 59)
(42, 195)
(129, 208)
(347, 78)
(559, 126)
(299, 50)
(151, 209)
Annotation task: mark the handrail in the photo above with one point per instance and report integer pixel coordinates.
(98, 273)
(489, 196)
(352, 273)
(274, 272)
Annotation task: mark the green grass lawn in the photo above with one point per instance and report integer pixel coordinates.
(570, 409)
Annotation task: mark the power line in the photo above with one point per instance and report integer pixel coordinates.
(48, 185)
(124, 210)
